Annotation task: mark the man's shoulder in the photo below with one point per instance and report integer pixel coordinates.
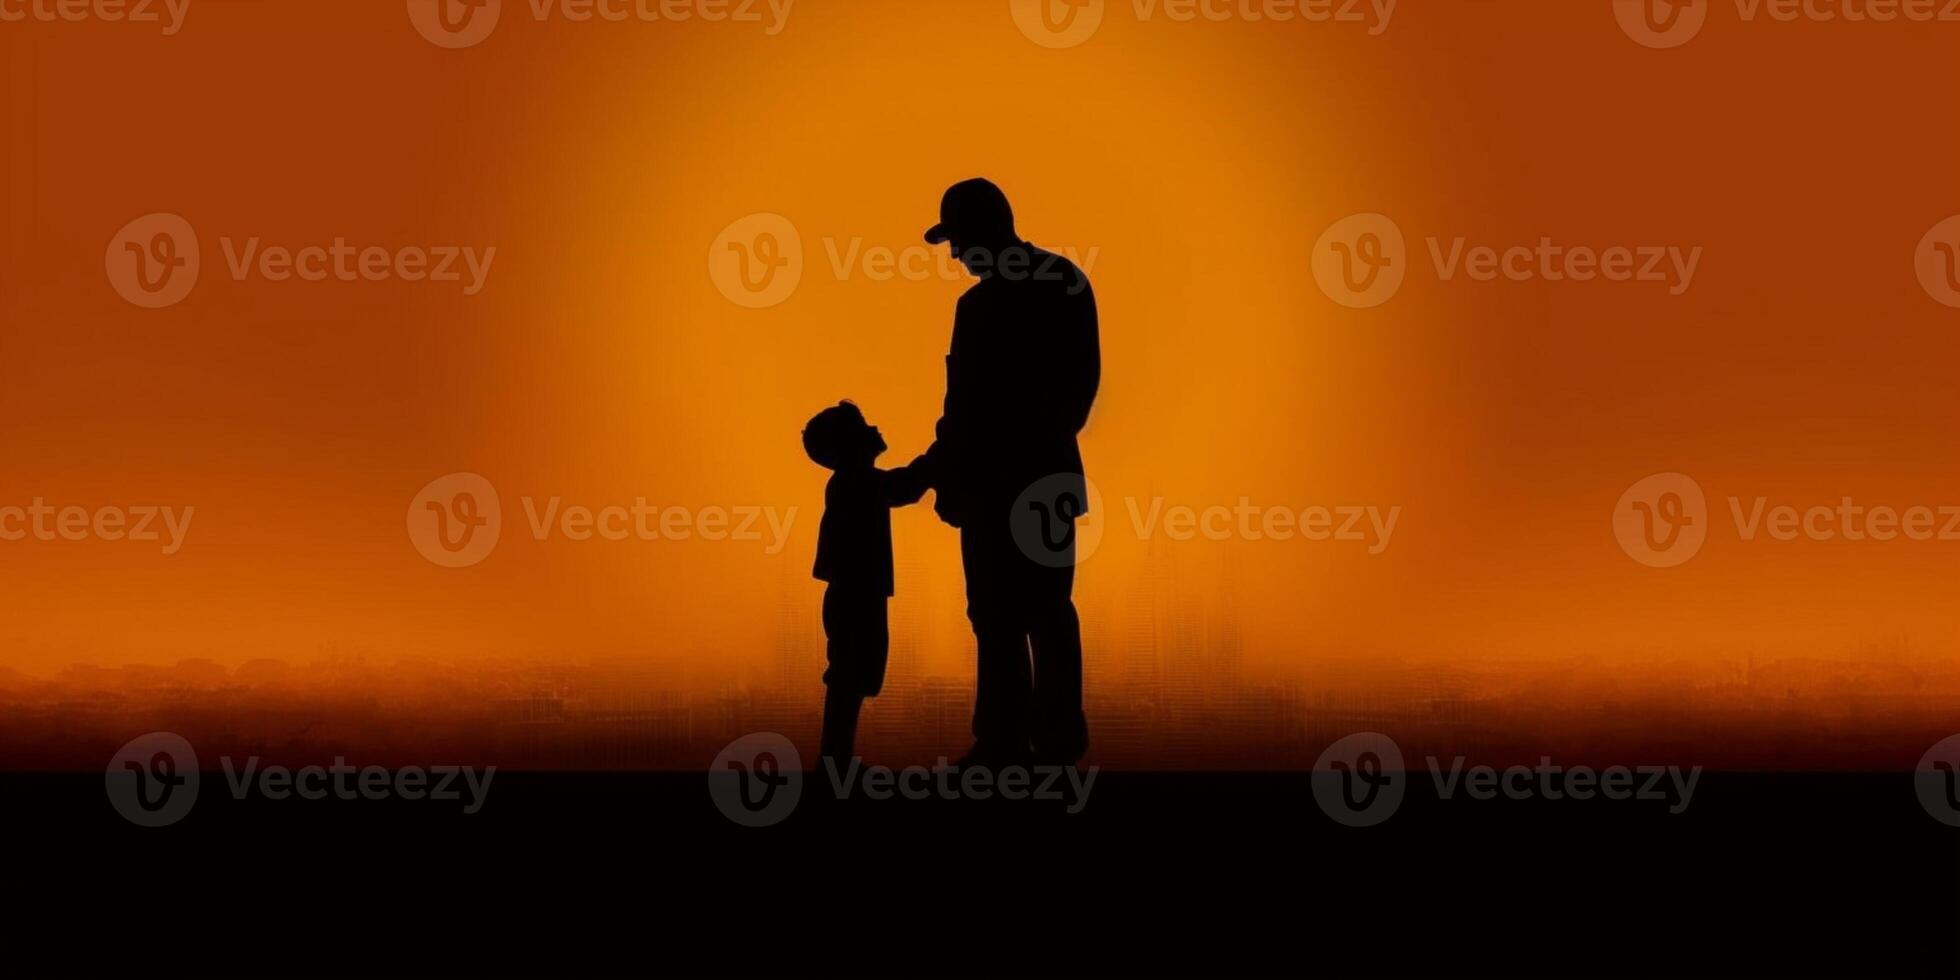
(1056, 271)
(1036, 275)
(1054, 260)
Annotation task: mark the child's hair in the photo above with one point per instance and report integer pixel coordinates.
(833, 434)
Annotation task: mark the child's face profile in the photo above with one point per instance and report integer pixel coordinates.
(874, 441)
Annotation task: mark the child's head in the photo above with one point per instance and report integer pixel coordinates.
(839, 437)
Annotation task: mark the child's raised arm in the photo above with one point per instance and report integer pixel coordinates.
(906, 485)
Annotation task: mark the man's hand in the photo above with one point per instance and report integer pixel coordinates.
(946, 503)
(949, 511)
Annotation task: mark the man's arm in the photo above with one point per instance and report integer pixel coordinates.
(957, 408)
(1082, 371)
(939, 461)
(956, 413)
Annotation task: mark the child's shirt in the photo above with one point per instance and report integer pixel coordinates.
(854, 541)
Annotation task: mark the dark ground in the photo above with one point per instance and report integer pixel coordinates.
(1763, 874)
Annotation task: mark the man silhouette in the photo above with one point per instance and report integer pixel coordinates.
(1021, 376)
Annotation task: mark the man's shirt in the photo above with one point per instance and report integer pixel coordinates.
(1021, 377)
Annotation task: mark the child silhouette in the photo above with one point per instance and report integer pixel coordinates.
(854, 555)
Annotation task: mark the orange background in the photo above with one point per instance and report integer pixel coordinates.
(1201, 160)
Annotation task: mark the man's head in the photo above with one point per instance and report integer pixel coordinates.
(976, 220)
(839, 438)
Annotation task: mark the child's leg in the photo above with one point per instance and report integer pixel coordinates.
(874, 646)
(843, 682)
(854, 621)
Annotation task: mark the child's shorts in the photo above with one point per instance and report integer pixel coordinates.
(860, 644)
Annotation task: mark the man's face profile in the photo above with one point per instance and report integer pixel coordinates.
(977, 259)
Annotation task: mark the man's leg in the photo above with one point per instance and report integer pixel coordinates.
(840, 721)
(1061, 733)
(1004, 686)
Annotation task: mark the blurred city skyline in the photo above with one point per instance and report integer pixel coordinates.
(1167, 689)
